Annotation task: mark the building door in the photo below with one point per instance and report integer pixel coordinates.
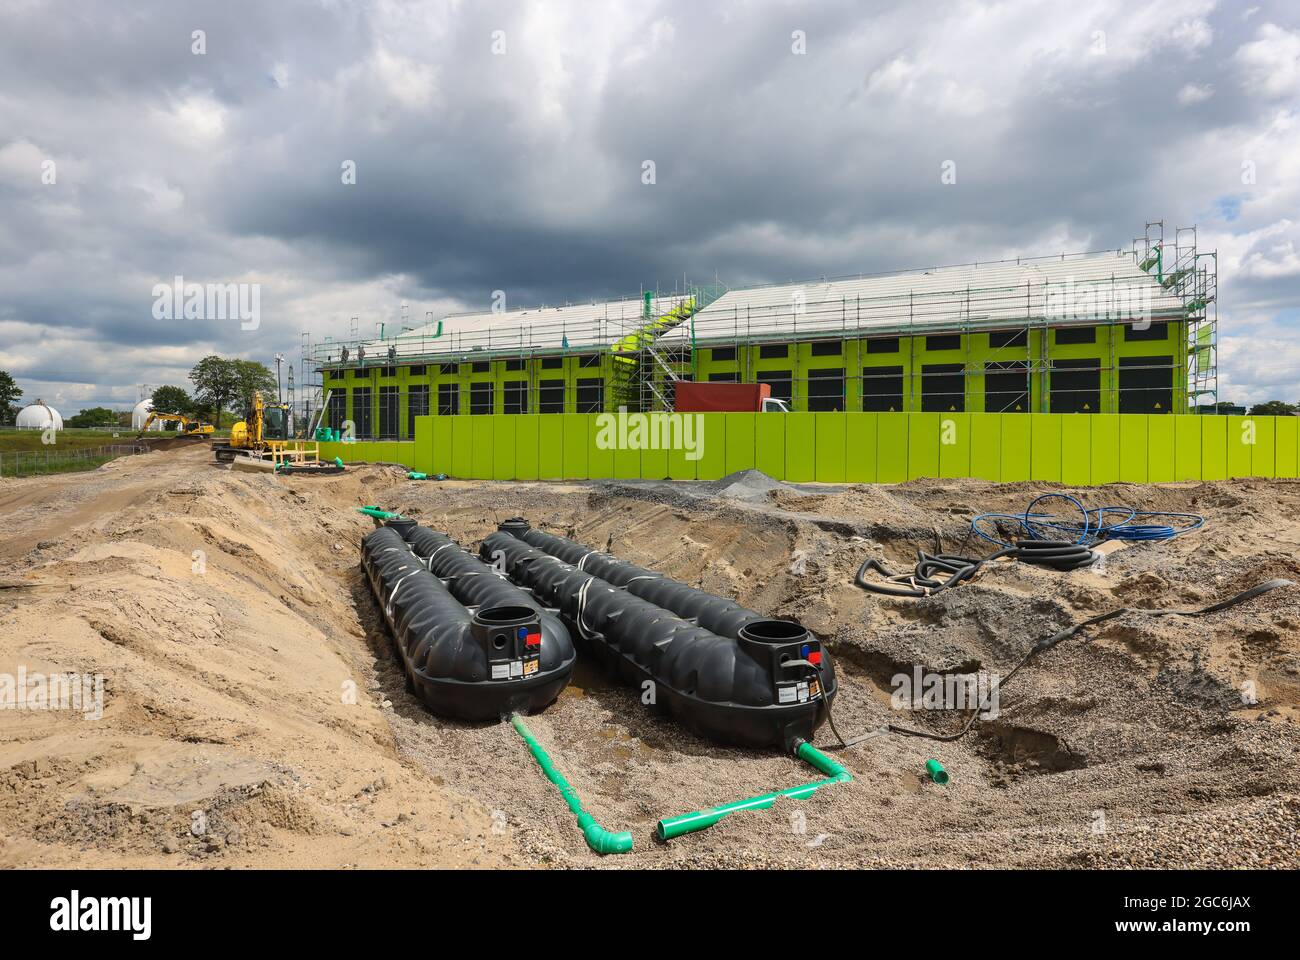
(1076, 386)
(943, 387)
(1006, 387)
(1146, 384)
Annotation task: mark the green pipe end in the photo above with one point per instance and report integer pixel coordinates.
(936, 771)
(416, 475)
(810, 754)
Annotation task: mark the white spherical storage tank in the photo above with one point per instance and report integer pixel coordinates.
(38, 416)
(141, 413)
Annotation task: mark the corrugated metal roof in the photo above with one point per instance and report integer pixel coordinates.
(1084, 288)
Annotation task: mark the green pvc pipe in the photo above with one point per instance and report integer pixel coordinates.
(598, 838)
(416, 475)
(671, 827)
(381, 514)
(936, 771)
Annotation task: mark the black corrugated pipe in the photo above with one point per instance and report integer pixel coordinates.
(757, 689)
(719, 614)
(479, 665)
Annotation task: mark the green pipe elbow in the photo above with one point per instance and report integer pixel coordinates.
(599, 839)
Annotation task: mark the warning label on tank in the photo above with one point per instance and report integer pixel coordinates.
(530, 667)
(500, 671)
(516, 668)
(814, 689)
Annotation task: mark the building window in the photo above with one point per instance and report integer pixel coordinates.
(724, 377)
(1009, 338)
(417, 405)
(388, 413)
(943, 387)
(826, 389)
(944, 342)
(359, 374)
(882, 389)
(447, 369)
(388, 371)
(781, 382)
(1066, 336)
(1156, 331)
(1075, 386)
(1146, 384)
(338, 409)
(722, 353)
(589, 360)
(416, 371)
(1006, 387)
(361, 411)
(514, 364)
(882, 345)
(514, 396)
(591, 395)
(550, 396)
(480, 366)
(677, 355)
(827, 348)
(774, 351)
(480, 398)
(448, 399)
(552, 363)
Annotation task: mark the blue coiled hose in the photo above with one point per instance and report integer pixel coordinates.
(1094, 525)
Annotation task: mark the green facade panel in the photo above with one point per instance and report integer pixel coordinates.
(1133, 458)
(740, 429)
(1160, 448)
(769, 445)
(1045, 445)
(1187, 446)
(550, 447)
(1240, 435)
(860, 441)
(576, 444)
(527, 463)
(1214, 448)
(1287, 430)
(831, 463)
(954, 445)
(504, 440)
(1076, 449)
(1016, 463)
(800, 446)
(1104, 464)
(922, 445)
(986, 446)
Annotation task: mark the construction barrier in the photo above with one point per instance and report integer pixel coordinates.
(1078, 449)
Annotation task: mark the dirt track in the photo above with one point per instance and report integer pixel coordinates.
(228, 738)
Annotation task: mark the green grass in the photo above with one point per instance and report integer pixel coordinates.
(11, 440)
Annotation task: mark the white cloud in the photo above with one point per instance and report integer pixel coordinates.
(1270, 64)
(1193, 93)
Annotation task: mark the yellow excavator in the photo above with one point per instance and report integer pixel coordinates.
(265, 436)
(189, 427)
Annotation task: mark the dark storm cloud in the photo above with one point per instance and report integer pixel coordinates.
(523, 171)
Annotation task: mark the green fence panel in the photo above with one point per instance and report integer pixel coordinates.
(1045, 445)
(740, 429)
(1287, 430)
(1133, 448)
(800, 446)
(1240, 437)
(1263, 455)
(423, 444)
(481, 456)
(462, 447)
(954, 445)
(860, 447)
(769, 444)
(442, 445)
(1187, 446)
(1160, 448)
(654, 463)
(550, 446)
(712, 440)
(986, 446)
(1214, 447)
(891, 447)
(1076, 448)
(600, 447)
(1104, 467)
(576, 444)
(922, 445)
(526, 460)
(504, 446)
(832, 436)
(1016, 461)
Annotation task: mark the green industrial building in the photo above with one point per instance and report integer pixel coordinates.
(1118, 331)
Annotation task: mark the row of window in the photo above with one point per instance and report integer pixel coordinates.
(590, 398)
(585, 360)
(997, 339)
(1145, 386)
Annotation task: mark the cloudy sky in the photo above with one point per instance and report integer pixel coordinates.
(502, 146)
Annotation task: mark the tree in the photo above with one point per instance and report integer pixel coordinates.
(216, 385)
(9, 394)
(168, 399)
(254, 377)
(221, 384)
(1274, 408)
(94, 417)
